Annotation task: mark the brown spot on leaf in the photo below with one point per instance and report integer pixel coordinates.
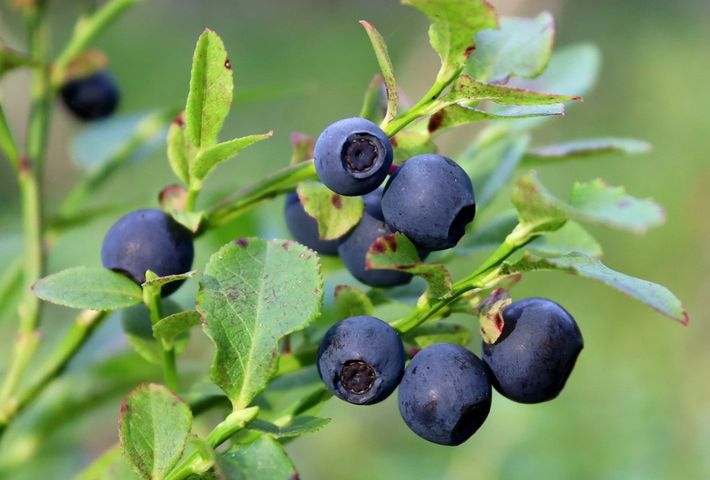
(337, 201)
(340, 288)
(286, 245)
(242, 242)
(393, 142)
(391, 242)
(227, 64)
(469, 50)
(435, 121)
(378, 246)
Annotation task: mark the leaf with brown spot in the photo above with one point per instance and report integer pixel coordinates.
(397, 252)
(336, 215)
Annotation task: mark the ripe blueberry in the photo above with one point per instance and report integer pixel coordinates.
(445, 394)
(353, 247)
(430, 200)
(304, 228)
(93, 97)
(352, 156)
(361, 360)
(148, 240)
(532, 359)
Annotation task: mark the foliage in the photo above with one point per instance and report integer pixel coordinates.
(260, 301)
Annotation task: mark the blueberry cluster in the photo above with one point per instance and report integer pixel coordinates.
(445, 390)
(429, 198)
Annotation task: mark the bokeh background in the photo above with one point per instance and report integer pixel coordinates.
(638, 403)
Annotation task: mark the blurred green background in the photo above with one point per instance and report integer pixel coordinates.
(638, 403)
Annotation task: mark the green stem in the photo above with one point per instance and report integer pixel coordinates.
(195, 463)
(7, 141)
(191, 201)
(85, 323)
(151, 298)
(279, 182)
(482, 276)
(29, 173)
(421, 108)
(85, 31)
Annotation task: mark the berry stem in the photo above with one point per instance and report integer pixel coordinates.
(279, 182)
(196, 463)
(484, 275)
(421, 108)
(151, 299)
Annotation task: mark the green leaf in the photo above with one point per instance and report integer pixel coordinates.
(155, 281)
(592, 202)
(521, 47)
(655, 296)
(252, 294)
(88, 288)
(168, 329)
(154, 426)
(302, 146)
(493, 167)
(336, 214)
(467, 90)
(181, 151)
(383, 59)
(211, 156)
(426, 335)
(597, 202)
(374, 105)
(585, 148)
(350, 302)
(295, 428)
(573, 70)
(263, 459)
(456, 115)
(190, 220)
(211, 90)
(571, 238)
(397, 252)
(454, 27)
(538, 210)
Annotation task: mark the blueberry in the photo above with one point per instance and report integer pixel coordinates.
(148, 240)
(429, 199)
(352, 156)
(304, 228)
(445, 394)
(353, 247)
(93, 97)
(532, 359)
(361, 360)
